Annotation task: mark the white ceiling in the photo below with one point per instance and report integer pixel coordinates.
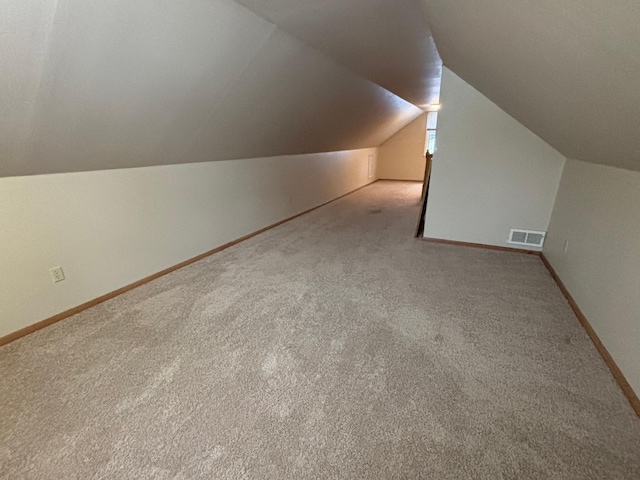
(112, 84)
(386, 41)
(569, 70)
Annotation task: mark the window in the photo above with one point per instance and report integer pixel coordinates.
(432, 123)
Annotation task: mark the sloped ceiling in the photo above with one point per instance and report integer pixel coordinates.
(568, 70)
(386, 41)
(112, 84)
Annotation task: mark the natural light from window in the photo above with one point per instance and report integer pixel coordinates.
(432, 123)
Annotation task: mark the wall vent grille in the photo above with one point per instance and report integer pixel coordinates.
(529, 238)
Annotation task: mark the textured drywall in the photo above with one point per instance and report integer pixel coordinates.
(568, 70)
(25, 27)
(109, 228)
(596, 217)
(402, 156)
(489, 173)
(115, 84)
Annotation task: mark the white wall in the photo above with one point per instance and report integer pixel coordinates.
(402, 156)
(489, 174)
(597, 212)
(110, 228)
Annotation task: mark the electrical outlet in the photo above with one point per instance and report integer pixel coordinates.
(57, 275)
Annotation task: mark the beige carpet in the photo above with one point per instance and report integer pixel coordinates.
(334, 346)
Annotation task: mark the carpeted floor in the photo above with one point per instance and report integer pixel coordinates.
(334, 346)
